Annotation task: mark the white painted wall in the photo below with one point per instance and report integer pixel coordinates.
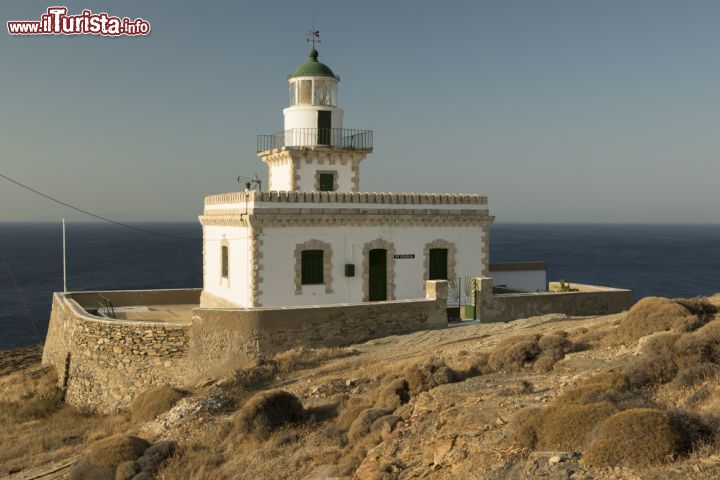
(235, 288)
(530, 280)
(281, 173)
(306, 117)
(278, 261)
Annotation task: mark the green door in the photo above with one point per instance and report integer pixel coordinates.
(438, 264)
(324, 124)
(377, 288)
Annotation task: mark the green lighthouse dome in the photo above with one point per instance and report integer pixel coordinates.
(313, 68)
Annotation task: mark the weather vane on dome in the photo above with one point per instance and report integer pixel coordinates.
(313, 35)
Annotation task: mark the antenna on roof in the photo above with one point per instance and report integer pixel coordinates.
(251, 183)
(313, 35)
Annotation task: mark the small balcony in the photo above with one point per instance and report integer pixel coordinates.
(317, 137)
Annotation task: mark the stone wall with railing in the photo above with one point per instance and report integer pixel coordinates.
(104, 363)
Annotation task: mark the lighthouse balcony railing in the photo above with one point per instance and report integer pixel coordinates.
(317, 137)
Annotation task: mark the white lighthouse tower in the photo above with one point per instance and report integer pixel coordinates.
(314, 152)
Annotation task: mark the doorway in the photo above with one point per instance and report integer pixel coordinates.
(324, 124)
(377, 278)
(438, 264)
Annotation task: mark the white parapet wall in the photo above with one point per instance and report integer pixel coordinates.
(526, 276)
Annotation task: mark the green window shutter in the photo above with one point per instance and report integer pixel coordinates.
(438, 264)
(327, 182)
(312, 267)
(225, 261)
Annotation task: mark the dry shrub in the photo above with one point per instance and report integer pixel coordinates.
(553, 348)
(691, 376)
(351, 409)
(520, 387)
(429, 374)
(666, 354)
(127, 470)
(256, 375)
(268, 411)
(560, 426)
(475, 365)
(638, 437)
(361, 426)
(151, 403)
(514, 354)
(701, 307)
(155, 455)
(587, 338)
(658, 344)
(84, 470)
(651, 371)
(392, 393)
(566, 422)
(609, 386)
(656, 314)
(301, 358)
(117, 449)
(540, 352)
(696, 348)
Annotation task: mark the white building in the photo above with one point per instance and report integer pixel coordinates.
(314, 238)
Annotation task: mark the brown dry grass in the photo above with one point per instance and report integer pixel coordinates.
(638, 437)
(32, 393)
(37, 427)
(151, 403)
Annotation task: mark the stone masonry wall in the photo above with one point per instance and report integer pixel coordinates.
(104, 363)
(589, 300)
(221, 335)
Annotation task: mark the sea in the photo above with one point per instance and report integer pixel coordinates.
(663, 260)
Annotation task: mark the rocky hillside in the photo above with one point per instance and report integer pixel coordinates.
(633, 395)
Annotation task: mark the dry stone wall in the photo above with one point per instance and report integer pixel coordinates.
(103, 364)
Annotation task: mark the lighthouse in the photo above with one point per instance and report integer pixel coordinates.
(314, 152)
(314, 237)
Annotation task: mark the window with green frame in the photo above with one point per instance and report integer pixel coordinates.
(327, 182)
(438, 264)
(312, 267)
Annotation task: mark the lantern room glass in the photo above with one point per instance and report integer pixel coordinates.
(316, 91)
(304, 92)
(324, 92)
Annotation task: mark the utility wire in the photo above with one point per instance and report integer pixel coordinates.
(100, 217)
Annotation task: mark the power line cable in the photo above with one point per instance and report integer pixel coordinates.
(100, 217)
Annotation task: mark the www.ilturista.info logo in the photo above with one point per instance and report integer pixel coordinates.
(56, 21)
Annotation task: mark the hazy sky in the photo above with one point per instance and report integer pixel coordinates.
(571, 111)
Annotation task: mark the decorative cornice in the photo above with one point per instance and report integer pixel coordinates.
(241, 198)
(324, 218)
